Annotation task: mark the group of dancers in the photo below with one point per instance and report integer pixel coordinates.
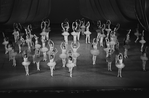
(43, 49)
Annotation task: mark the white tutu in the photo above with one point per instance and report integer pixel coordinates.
(44, 49)
(63, 56)
(94, 52)
(26, 63)
(144, 58)
(75, 55)
(65, 33)
(118, 65)
(142, 41)
(51, 64)
(69, 65)
(74, 33)
(87, 32)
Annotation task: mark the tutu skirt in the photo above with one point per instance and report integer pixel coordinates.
(63, 56)
(69, 65)
(120, 65)
(109, 59)
(38, 59)
(75, 55)
(127, 46)
(144, 58)
(51, 64)
(94, 52)
(25, 63)
(142, 41)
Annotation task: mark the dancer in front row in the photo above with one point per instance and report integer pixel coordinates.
(51, 63)
(63, 55)
(109, 59)
(75, 54)
(70, 63)
(26, 64)
(94, 51)
(119, 64)
(144, 59)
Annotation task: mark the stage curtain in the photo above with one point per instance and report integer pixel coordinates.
(121, 11)
(24, 11)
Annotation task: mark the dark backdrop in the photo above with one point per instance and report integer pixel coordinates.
(34, 11)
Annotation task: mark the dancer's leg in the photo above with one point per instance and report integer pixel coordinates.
(64, 62)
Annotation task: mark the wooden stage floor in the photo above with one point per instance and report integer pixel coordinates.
(85, 75)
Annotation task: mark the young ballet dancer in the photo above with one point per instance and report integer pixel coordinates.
(63, 55)
(82, 26)
(44, 50)
(137, 34)
(94, 51)
(5, 43)
(119, 64)
(70, 64)
(36, 57)
(142, 41)
(144, 59)
(75, 54)
(51, 63)
(109, 59)
(26, 64)
(102, 35)
(87, 32)
(13, 56)
(65, 34)
(74, 33)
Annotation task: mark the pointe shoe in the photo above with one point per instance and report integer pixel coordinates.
(70, 75)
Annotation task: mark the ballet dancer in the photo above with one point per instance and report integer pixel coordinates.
(78, 29)
(65, 25)
(102, 35)
(75, 54)
(82, 26)
(44, 50)
(87, 32)
(144, 59)
(36, 57)
(119, 64)
(108, 29)
(109, 59)
(13, 56)
(26, 63)
(15, 34)
(9, 49)
(142, 41)
(5, 43)
(65, 34)
(137, 34)
(99, 29)
(70, 64)
(63, 55)
(51, 63)
(94, 51)
(74, 33)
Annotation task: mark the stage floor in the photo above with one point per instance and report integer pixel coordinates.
(85, 75)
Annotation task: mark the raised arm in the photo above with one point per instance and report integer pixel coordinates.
(62, 26)
(42, 24)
